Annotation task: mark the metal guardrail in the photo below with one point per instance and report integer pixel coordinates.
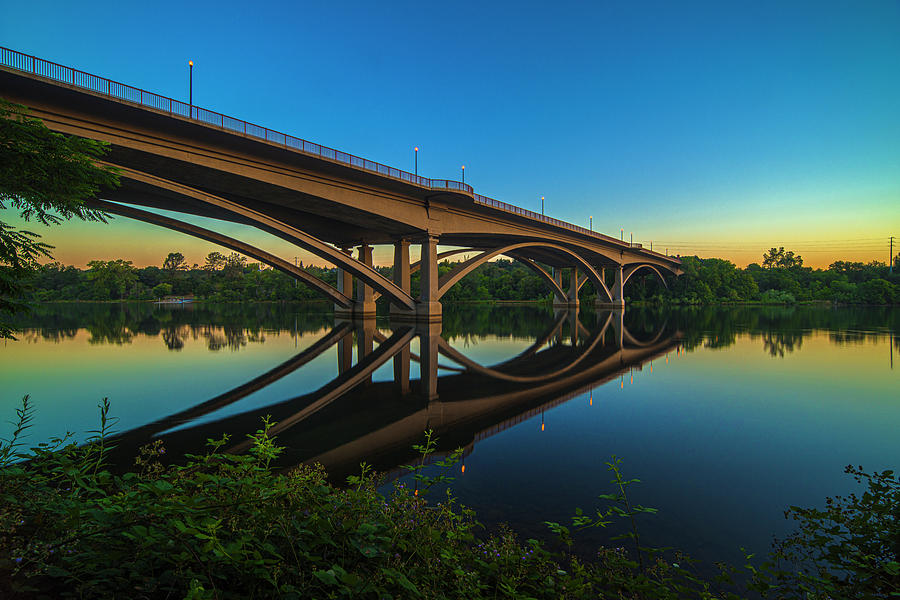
(123, 92)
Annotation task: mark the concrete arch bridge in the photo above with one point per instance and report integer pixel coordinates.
(180, 157)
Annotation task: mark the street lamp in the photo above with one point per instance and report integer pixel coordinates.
(591, 221)
(622, 229)
(417, 161)
(542, 206)
(191, 87)
(464, 174)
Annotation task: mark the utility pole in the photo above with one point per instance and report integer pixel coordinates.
(891, 258)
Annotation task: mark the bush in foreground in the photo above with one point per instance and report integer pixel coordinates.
(230, 526)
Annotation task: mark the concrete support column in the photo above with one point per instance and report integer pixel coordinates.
(557, 276)
(364, 306)
(618, 300)
(428, 359)
(429, 307)
(573, 287)
(344, 286)
(617, 294)
(401, 275)
(572, 296)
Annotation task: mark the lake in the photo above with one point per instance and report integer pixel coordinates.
(727, 415)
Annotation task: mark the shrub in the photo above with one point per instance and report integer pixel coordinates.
(777, 297)
(229, 526)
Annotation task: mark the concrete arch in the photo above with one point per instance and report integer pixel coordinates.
(630, 270)
(313, 282)
(450, 279)
(547, 277)
(365, 273)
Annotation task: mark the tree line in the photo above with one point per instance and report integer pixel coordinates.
(781, 278)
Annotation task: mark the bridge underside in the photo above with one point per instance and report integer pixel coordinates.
(333, 210)
(339, 239)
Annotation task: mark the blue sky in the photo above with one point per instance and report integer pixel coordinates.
(717, 128)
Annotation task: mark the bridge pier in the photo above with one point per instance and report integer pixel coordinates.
(364, 305)
(618, 300)
(344, 286)
(402, 279)
(572, 296)
(428, 308)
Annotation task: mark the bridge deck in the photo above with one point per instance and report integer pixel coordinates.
(14, 66)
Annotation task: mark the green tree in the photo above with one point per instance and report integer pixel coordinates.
(163, 289)
(174, 262)
(779, 259)
(234, 265)
(46, 177)
(214, 261)
(111, 278)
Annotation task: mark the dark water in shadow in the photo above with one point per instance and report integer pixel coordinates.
(727, 415)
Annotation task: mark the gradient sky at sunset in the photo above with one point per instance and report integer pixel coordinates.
(715, 128)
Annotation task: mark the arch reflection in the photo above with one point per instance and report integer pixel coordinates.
(353, 418)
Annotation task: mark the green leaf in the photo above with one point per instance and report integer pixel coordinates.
(327, 577)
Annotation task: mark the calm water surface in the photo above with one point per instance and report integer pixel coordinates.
(726, 415)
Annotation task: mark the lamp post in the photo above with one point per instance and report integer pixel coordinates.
(191, 87)
(417, 161)
(591, 223)
(464, 174)
(622, 234)
(542, 206)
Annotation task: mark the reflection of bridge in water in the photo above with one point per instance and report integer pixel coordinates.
(352, 418)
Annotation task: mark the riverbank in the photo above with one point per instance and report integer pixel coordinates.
(231, 526)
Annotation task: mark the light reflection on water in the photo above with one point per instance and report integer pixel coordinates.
(726, 415)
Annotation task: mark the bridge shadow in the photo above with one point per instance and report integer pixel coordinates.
(353, 418)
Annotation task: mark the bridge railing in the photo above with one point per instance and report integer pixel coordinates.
(120, 91)
(123, 92)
